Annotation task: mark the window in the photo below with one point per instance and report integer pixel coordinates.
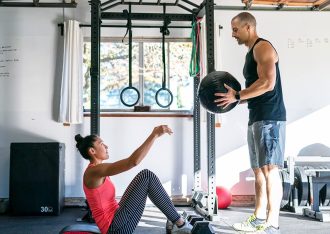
(147, 73)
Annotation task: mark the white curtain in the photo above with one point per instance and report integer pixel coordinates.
(71, 104)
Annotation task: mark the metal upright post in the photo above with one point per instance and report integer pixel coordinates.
(197, 139)
(212, 206)
(95, 65)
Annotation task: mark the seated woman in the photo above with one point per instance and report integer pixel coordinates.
(123, 217)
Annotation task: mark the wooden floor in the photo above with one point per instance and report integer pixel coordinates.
(153, 222)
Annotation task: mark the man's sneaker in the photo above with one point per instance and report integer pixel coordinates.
(267, 229)
(249, 225)
(186, 228)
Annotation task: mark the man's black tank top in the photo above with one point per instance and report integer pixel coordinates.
(270, 105)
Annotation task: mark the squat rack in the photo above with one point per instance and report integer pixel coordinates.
(204, 203)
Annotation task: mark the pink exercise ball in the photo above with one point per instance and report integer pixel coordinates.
(224, 197)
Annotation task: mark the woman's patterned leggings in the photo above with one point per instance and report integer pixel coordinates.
(131, 206)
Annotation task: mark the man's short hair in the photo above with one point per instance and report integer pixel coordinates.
(246, 18)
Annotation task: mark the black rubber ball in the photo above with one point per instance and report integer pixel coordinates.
(214, 83)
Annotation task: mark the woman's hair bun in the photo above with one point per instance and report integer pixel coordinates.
(78, 138)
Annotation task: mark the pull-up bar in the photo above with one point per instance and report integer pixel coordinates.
(146, 16)
(133, 26)
(61, 25)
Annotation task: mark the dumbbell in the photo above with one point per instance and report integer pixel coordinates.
(202, 227)
(192, 219)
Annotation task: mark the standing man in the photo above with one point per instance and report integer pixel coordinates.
(266, 127)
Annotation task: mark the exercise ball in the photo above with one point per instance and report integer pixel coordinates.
(214, 83)
(224, 197)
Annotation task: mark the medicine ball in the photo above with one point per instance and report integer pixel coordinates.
(214, 83)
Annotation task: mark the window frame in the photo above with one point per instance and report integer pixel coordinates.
(115, 112)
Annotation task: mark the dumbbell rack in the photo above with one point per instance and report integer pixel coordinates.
(199, 224)
(307, 178)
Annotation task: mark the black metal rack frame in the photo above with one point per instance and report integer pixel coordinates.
(113, 3)
(99, 13)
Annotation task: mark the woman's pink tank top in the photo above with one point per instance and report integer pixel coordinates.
(102, 202)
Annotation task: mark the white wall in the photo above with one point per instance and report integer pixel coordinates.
(28, 94)
(29, 102)
(303, 46)
(29, 99)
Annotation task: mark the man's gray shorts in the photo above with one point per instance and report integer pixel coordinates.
(266, 141)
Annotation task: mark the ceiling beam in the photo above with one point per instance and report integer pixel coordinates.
(323, 5)
(261, 8)
(37, 3)
(248, 4)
